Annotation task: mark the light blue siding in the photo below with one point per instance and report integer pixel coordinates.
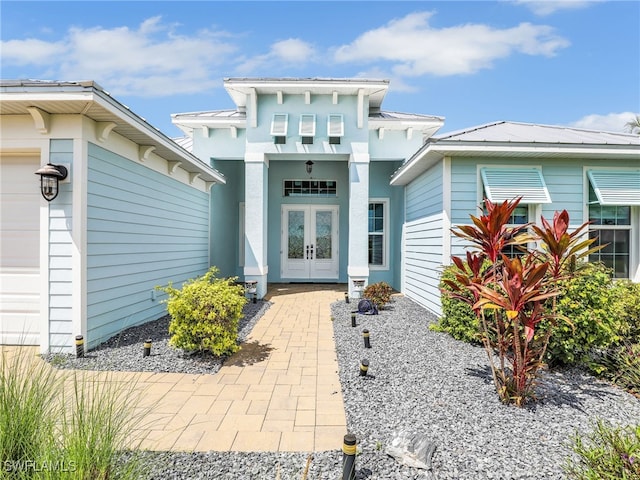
(60, 251)
(424, 194)
(394, 145)
(423, 259)
(379, 175)
(143, 229)
(564, 179)
(225, 217)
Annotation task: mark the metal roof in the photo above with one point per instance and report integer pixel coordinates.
(515, 132)
(91, 100)
(520, 140)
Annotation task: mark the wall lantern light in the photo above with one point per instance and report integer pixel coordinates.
(309, 166)
(50, 175)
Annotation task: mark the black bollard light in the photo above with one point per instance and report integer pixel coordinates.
(255, 297)
(79, 346)
(365, 335)
(147, 348)
(346, 297)
(364, 366)
(349, 457)
(353, 319)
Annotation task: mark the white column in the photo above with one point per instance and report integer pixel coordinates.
(358, 267)
(256, 167)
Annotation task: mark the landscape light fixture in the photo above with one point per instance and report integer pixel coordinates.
(50, 176)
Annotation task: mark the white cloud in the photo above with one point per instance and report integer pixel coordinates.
(148, 61)
(610, 122)
(547, 7)
(30, 51)
(289, 52)
(415, 48)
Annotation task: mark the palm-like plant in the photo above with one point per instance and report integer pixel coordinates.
(633, 126)
(510, 296)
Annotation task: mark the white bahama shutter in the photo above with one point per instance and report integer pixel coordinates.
(307, 125)
(502, 184)
(335, 125)
(279, 124)
(616, 187)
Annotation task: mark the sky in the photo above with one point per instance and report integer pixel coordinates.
(568, 62)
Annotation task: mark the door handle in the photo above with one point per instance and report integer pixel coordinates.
(307, 252)
(312, 251)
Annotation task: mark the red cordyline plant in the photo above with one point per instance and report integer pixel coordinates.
(510, 295)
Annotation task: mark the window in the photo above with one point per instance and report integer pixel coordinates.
(307, 140)
(614, 198)
(310, 188)
(611, 227)
(378, 233)
(520, 216)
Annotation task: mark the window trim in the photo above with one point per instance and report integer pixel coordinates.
(241, 253)
(385, 234)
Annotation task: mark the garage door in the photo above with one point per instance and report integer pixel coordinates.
(19, 250)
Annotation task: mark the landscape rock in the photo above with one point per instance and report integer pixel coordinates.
(411, 448)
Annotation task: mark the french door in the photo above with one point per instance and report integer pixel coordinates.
(309, 248)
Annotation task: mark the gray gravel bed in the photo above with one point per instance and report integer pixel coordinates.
(123, 352)
(432, 384)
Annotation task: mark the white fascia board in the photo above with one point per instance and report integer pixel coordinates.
(538, 149)
(397, 124)
(435, 151)
(35, 97)
(211, 122)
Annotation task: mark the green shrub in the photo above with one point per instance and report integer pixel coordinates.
(205, 313)
(458, 320)
(379, 293)
(626, 297)
(587, 301)
(607, 453)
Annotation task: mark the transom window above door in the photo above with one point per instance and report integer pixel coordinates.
(310, 188)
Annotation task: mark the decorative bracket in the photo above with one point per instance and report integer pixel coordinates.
(103, 130)
(193, 176)
(172, 166)
(41, 119)
(144, 151)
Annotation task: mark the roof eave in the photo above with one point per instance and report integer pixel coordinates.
(432, 152)
(207, 173)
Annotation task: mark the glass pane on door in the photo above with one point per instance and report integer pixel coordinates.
(295, 248)
(323, 235)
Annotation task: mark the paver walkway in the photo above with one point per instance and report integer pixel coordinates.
(282, 393)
